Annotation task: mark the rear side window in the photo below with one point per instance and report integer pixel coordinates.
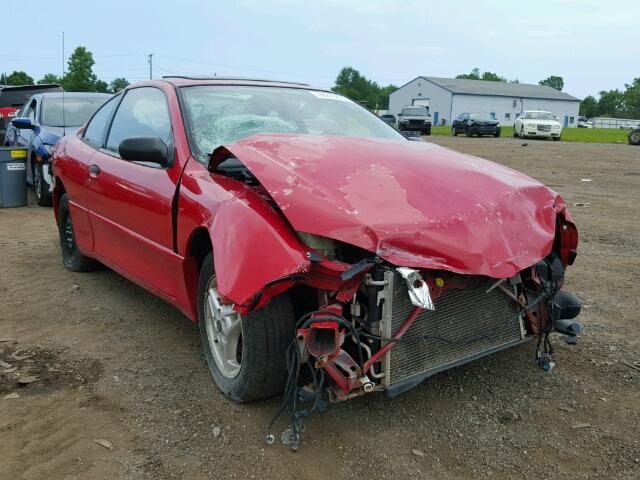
(97, 128)
(143, 112)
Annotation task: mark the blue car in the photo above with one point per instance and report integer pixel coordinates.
(40, 123)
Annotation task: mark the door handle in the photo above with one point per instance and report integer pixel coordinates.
(94, 169)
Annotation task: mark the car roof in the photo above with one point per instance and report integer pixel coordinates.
(183, 81)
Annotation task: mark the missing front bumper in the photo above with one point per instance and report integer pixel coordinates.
(466, 324)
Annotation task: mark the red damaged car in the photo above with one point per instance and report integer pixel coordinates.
(317, 248)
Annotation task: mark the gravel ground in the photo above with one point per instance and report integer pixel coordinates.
(114, 384)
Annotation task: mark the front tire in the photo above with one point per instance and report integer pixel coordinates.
(522, 135)
(40, 186)
(634, 137)
(71, 257)
(454, 132)
(245, 354)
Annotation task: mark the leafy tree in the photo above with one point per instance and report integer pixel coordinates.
(80, 76)
(384, 96)
(49, 78)
(476, 75)
(473, 75)
(18, 78)
(589, 107)
(632, 99)
(492, 77)
(351, 83)
(118, 84)
(611, 103)
(101, 86)
(553, 81)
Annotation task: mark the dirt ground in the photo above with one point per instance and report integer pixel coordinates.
(115, 386)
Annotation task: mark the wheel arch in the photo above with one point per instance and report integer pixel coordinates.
(199, 245)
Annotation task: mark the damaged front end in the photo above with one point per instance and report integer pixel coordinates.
(379, 327)
(385, 310)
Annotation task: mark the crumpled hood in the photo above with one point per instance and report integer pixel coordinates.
(415, 204)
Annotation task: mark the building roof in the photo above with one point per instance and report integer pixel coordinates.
(502, 89)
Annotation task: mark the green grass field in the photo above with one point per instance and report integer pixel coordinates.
(585, 135)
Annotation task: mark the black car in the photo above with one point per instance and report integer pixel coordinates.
(415, 119)
(13, 98)
(388, 118)
(475, 124)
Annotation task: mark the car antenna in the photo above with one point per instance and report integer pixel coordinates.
(64, 122)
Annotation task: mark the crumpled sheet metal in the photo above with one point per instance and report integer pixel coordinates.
(253, 247)
(415, 204)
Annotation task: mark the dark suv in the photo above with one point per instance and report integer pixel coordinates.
(415, 119)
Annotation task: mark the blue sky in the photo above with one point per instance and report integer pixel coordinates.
(594, 45)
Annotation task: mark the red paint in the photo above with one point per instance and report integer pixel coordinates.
(7, 112)
(414, 204)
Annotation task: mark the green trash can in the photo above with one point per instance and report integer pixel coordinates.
(13, 177)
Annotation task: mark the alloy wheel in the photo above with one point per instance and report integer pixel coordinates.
(224, 332)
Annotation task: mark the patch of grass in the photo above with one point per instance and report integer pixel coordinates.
(584, 135)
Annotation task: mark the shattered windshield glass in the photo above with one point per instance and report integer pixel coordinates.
(221, 114)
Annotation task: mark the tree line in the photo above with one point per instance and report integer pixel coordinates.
(612, 103)
(78, 78)
(349, 82)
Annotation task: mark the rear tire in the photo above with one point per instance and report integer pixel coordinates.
(468, 132)
(71, 257)
(454, 133)
(265, 335)
(522, 135)
(634, 137)
(497, 133)
(555, 139)
(515, 132)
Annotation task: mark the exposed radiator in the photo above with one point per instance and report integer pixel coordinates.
(466, 324)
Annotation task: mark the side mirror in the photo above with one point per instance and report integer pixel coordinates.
(144, 149)
(23, 123)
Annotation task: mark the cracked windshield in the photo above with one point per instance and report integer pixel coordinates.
(220, 114)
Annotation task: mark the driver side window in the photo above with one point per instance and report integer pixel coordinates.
(143, 112)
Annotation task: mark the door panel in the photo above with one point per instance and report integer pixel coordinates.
(131, 220)
(131, 203)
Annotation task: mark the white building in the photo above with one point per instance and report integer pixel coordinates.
(449, 97)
